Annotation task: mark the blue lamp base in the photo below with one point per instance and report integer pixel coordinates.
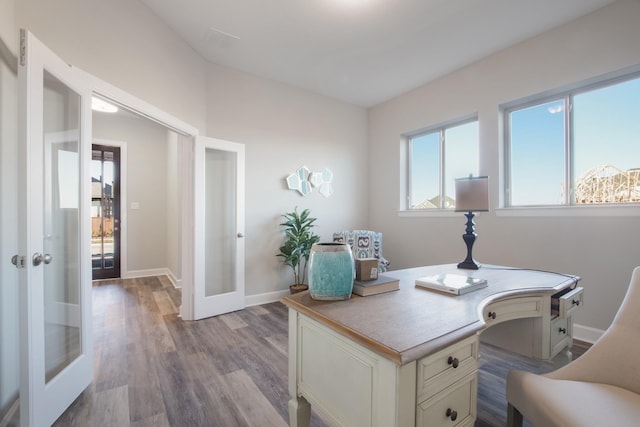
(469, 238)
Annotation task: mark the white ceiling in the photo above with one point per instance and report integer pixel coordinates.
(362, 52)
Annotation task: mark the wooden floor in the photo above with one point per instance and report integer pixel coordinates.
(153, 369)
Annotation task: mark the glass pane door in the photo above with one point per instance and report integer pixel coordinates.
(220, 222)
(105, 212)
(9, 302)
(61, 223)
(218, 285)
(56, 354)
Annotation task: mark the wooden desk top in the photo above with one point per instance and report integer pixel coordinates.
(410, 323)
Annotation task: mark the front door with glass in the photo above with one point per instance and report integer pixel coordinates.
(105, 212)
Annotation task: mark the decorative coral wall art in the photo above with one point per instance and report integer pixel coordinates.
(304, 181)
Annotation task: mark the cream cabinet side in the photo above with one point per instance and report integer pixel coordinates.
(448, 386)
(535, 326)
(347, 384)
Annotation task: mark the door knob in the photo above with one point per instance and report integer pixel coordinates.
(38, 259)
(18, 261)
(240, 234)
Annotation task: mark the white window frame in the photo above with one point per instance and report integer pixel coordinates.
(406, 161)
(569, 207)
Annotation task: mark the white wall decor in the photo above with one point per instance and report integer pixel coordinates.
(303, 181)
(299, 181)
(323, 180)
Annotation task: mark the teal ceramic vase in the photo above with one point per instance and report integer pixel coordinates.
(331, 271)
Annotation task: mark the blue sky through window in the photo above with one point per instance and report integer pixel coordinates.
(461, 154)
(606, 131)
(606, 128)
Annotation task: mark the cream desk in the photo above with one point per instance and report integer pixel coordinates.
(409, 357)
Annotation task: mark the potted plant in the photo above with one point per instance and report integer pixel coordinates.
(296, 249)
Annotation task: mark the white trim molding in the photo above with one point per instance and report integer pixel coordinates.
(586, 333)
(265, 298)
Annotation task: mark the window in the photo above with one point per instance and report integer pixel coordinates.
(436, 158)
(580, 147)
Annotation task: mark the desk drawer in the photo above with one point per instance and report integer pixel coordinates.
(515, 308)
(453, 407)
(441, 369)
(560, 334)
(566, 302)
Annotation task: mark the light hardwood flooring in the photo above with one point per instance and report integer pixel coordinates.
(153, 369)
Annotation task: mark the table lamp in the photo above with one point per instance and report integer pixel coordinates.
(472, 195)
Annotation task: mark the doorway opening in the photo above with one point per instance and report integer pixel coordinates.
(105, 212)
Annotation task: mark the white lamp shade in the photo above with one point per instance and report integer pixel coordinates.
(472, 194)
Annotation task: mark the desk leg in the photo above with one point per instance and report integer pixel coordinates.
(299, 408)
(299, 412)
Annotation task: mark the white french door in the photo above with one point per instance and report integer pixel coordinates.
(219, 227)
(53, 260)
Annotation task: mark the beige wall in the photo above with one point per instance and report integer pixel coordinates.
(123, 43)
(601, 249)
(146, 185)
(284, 128)
(8, 32)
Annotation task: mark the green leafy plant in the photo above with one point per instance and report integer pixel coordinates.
(299, 238)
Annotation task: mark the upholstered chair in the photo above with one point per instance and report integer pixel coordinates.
(364, 244)
(600, 388)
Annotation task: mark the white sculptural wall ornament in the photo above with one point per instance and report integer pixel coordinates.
(303, 181)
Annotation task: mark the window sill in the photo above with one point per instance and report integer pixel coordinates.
(572, 211)
(434, 213)
(535, 211)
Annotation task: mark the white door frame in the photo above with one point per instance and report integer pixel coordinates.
(120, 97)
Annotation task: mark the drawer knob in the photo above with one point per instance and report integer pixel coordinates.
(453, 415)
(575, 302)
(492, 315)
(453, 361)
(562, 330)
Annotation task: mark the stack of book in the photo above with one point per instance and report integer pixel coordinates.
(377, 286)
(456, 284)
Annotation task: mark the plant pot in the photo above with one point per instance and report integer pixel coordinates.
(294, 289)
(331, 271)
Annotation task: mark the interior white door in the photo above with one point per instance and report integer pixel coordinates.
(219, 227)
(54, 264)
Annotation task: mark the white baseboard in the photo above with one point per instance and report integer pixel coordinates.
(249, 300)
(586, 333)
(145, 273)
(265, 298)
(177, 283)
